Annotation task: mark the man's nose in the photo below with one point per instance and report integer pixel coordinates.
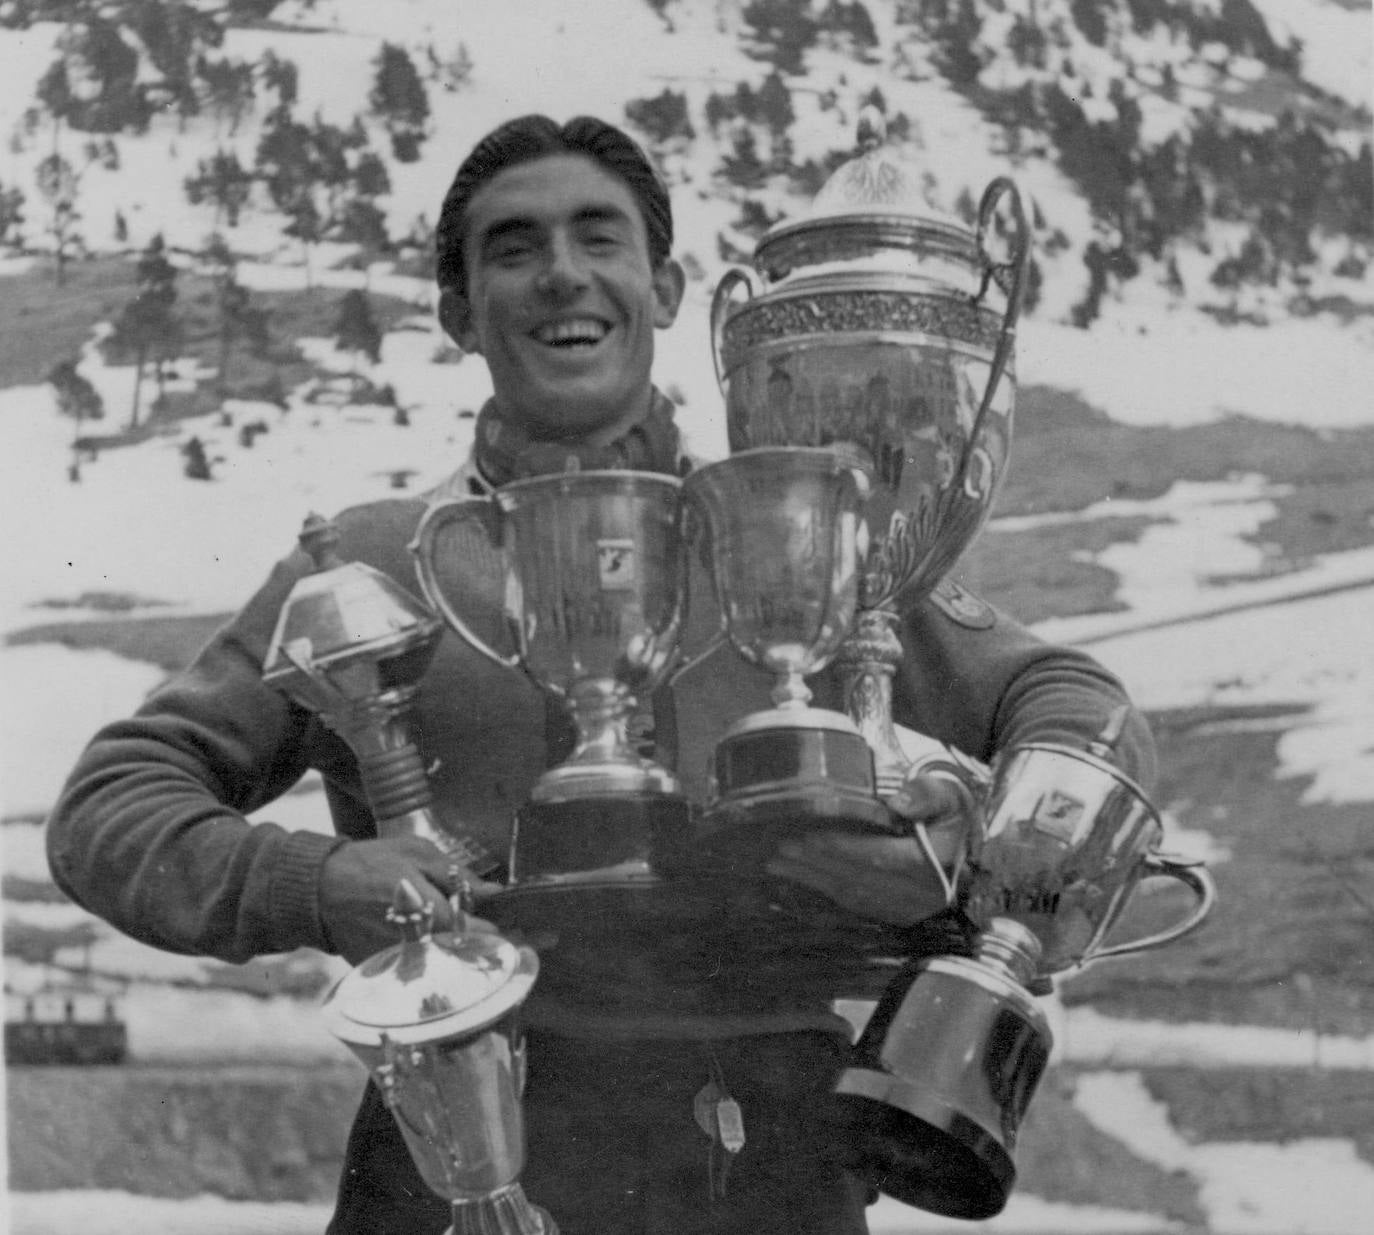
(563, 273)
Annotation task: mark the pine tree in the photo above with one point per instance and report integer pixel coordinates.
(94, 86)
(175, 37)
(360, 222)
(399, 100)
(239, 318)
(224, 183)
(11, 215)
(148, 327)
(57, 185)
(281, 76)
(307, 226)
(77, 398)
(356, 330)
(774, 103)
(229, 86)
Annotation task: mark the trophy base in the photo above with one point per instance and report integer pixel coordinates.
(507, 1212)
(778, 780)
(941, 1080)
(920, 1150)
(605, 780)
(590, 857)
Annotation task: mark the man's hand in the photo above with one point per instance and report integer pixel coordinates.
(886, 878)
(358, 884)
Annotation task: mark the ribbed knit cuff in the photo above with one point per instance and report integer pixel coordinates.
(296, 889)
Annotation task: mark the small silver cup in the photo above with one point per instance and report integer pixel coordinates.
(783, 534)
(1067, 840)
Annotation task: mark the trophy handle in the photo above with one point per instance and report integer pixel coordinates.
(1198, 880)
(1010, 276)
(948, 885)
(480, 517)
(720, 302)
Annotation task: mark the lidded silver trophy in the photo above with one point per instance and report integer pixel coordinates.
(435, 1019)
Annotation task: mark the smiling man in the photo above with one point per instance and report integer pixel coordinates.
(553, 263)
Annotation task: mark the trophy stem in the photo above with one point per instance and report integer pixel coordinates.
(791, 690)
(1007, 945)
(867, 661)
(504, 1212)
(601, 712)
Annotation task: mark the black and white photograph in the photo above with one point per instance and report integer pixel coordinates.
(687, 617)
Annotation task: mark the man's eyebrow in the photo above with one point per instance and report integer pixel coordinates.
(595, 212)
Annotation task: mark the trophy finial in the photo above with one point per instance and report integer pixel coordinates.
(872, 129)
(1104, 744)
(411, 912)
(319, 537)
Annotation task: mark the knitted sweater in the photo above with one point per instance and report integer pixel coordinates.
(150, 831)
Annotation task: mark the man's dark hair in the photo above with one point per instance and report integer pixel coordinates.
(536, 137)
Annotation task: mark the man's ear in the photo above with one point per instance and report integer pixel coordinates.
(455, 316)
(670, 281)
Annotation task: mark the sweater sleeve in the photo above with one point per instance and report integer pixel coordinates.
(149, 832)
(985, 684)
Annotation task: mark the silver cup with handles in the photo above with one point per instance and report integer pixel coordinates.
(580, 578)
(1067, 840)
(946, 1068)
(782, 532)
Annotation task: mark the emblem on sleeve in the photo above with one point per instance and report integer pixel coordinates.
(960, 605)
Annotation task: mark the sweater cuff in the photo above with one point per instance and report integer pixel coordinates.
(296, 888)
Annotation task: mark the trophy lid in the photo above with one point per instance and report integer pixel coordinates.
(343, 611)
(873, 215)
(428, 987)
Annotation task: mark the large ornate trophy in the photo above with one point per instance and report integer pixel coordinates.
(783, 532)
(950, 1059)
(875, 322)
(435, 1020)
(582, 580)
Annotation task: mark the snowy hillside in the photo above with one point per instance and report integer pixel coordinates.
(1150, 130)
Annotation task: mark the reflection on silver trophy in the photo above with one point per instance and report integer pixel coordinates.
(585, 585)
(948, 1064)
(435, 1020)
(783, 533)
(1067, 839)
(877, 322)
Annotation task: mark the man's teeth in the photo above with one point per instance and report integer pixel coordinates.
(565, 334)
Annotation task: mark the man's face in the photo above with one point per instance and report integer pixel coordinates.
(562, 299)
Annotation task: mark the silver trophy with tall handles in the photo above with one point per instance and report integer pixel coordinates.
(577, 580)
(876, 323)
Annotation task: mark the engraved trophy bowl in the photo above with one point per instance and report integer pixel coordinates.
(435, 1019)
(876, 321)
(782, 531)
(585, 584)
